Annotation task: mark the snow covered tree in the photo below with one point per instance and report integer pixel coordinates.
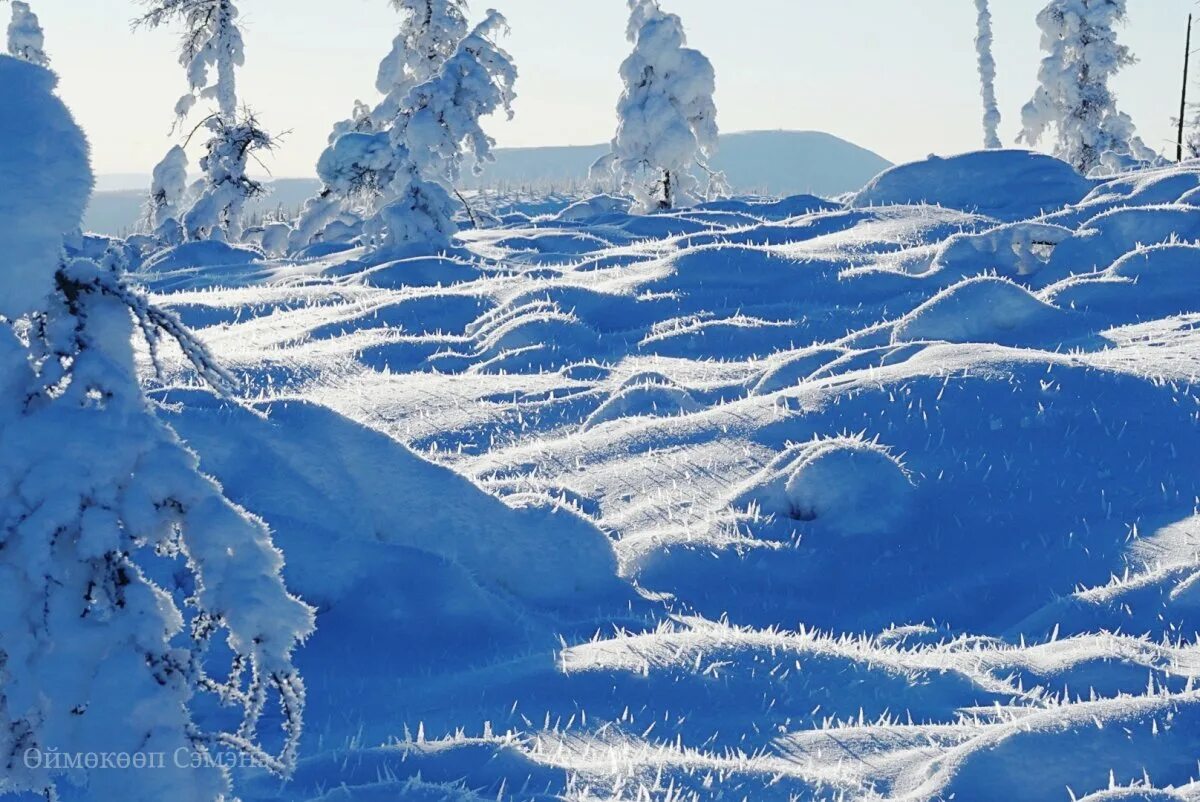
(211, 50)
(438, 126)
(429, 34)
(120, 563)
(667, 120)
(25, 38)
(217, 212)
(1083, 54)
(987, 76)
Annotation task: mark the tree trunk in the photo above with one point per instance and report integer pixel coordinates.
(1187, 57)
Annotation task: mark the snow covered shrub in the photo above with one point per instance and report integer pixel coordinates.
(25, 38)
(438, 125)
(667, 120)
(1082, 55)
(211, 50)
(168, 189)
(847, 485)
(130, 587)
(987, 76)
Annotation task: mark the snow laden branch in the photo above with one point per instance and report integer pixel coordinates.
(987, 76)
(155, 323)
(430, 34)
(438, 126)
(122, 564)
(26, 40)
(667, 120)
(210, 50)
(1074, 98)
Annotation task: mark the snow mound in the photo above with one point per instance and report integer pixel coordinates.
(655, 396)
(1015, 249)
(414, 271)
(1147, 188)
(590, 208)
(553, 243)
(781, 209)
(536, 341)
(846, 485)
(1110, 235)
(208, 256)
(45, 182)
(985, 309)
(796, 367)
(335, 490)
(1008, 185)
(1159, 281)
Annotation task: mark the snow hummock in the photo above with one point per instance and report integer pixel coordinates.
(1005, 184)
(981, 309)
(845, 485)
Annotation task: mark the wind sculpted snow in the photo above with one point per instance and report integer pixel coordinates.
(774, 501)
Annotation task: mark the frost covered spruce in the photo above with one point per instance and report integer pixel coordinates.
(211, 50)
(438, 126)
(367, 155)
(25, 38)
(667, 120)
(120, 563)
(1082, 56)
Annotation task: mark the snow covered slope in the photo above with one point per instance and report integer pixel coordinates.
(781, 501)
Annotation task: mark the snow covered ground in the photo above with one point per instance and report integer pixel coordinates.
(891, 498)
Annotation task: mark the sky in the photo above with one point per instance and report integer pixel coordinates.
(898, 78)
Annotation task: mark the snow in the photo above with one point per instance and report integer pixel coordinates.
(600, 505)
(981, 309)
(846, 486)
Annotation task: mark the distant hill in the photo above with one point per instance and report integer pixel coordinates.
(771, 162)
(768, 162)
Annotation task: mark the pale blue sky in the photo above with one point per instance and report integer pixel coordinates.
(896, 76)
